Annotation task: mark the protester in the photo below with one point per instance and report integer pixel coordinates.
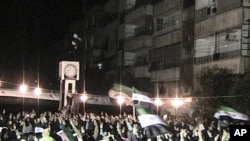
(46, 135)
(107, 127)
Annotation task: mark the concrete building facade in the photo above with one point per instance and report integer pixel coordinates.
(166, 42)
(222, 35)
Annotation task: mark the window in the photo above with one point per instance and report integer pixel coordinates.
(230, 37)
(172, 55)
(228, 41)
(205, 46)
(159, 24)
(88, 44)
(86, 24)
(212, 7)
(93, 20)
(92, 41)
(188, 3)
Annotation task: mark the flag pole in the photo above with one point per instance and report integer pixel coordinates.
(133, 104)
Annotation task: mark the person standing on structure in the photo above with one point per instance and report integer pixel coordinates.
(69, 102)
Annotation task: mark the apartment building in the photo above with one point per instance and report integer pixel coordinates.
(94, 37)
(171, 57)
(165, 43)
(222, 35)
(111, 38)
(135, 39)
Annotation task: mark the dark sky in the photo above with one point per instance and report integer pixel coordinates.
(29, 29)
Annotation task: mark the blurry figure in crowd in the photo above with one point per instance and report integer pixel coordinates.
(46, 135)
(69, 102)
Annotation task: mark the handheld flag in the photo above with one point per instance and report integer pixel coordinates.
(66, 135)
(38, 130)
(230, 112)
(140, 97)
(152, 124)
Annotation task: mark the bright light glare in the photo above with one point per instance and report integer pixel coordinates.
(73, 43)
(120, 100)
(23, 88)
(158, 102)
(37, 91)
(84, 97)
(99, 66)
(177, 102)
(77, 37)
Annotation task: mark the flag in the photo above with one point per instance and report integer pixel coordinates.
(66, 135)
(149, 119)
(140, 97)
(38, 129)
(123, 91)
(152, 124)
(230, 112)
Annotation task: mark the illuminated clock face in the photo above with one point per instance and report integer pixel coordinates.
(70, 70)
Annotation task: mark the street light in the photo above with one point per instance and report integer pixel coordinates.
(37, 92)
(120, 101)
(84, 98)
(177, 103)
(158, 102)
(23, 88)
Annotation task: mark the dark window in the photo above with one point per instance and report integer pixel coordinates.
(214, 10)
(188, 3)
(159, 24)
(208, 11)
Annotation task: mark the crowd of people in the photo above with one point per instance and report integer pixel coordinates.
(63, 126)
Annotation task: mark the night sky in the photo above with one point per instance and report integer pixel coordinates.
(29, 30)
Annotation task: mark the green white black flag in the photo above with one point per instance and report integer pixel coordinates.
(152, 124)
(230, 112)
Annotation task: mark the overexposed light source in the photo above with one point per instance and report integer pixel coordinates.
(84, 97)
(99, 66)
(158, 102)
(38, 91)
(73, 43)
(120, 100)
(177, 102)
(77, 37)
(23, 88)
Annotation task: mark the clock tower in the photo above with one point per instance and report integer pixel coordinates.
(68, 75)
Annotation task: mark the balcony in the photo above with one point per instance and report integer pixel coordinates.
(141, 72)
(165, 75)
(126, 58)
(135, 43)
(166, 28)
(217, 56)
(138, 15)
(131, 7)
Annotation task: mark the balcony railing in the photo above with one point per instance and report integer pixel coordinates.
(131, 8)
(139, 31)
(166, 28)
(217, 56)
(111, 18)
(157, 66)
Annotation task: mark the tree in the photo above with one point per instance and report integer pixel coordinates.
(241, 93)
(215, 84)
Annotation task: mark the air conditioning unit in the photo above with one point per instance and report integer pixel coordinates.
(230, 37)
